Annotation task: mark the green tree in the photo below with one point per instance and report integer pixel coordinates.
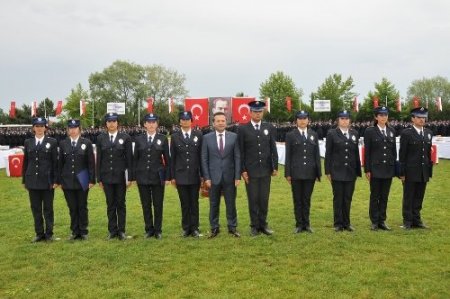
(277, 88)
(385, 91)
(428, 89)
(72, 108)
(46, 108)
(338, 91)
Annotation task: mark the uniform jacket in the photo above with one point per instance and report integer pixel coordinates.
(380, 153)
(259, 156)
(151, 161)
(216, 166)
(185, 156)
(302, 160)
(40, 164)
(73, 161)
(342, 160)
(114, 158)
(415, 155)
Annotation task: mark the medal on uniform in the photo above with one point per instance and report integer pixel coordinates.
(83, 146)
(392, 135)
(353, 138)
(158, 142)
(47, 145)
(266, 132)
(429, 136)
(195, 139)
(312, 138)
(120, 141)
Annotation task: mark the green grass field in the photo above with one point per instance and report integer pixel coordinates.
(362, 264)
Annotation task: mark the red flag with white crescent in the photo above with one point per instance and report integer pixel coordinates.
(289, 103)
(58, 108)
(199, 108)
(376, 102)
(439, 104)
(12, 110)
(82, 107)
(241, 110)
(150, 105)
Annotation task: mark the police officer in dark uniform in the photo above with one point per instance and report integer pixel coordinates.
(185, 152)
(416, 167)
(114, 160)
(342, 166)
(76, 177)
(302, 168)
(259, 159)
(152, 172)
(380, 154)
(39, 176)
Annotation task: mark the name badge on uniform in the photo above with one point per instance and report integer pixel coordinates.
(83, 146)
(353, 138)
(47, 145)
(266, 132)
(392, 134)
(429, 136)
(121, 141)
(158, 142)
(312, 138)
(195, 139)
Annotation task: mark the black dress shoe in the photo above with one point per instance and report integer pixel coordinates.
(112, 236)
(122, 236)
(38, 239)
(195, 234)
(406, 227)
(186, 233)
(338, 229)
(254, 232)
(267, 231)
(374, 226)
(73, 237)
(234, 233)
(298, 230)
(214, 233)
(158, 236)
(308, 229)
(149, 235)
(83, 237)
(349, 228)
(383, 226)
(420, 225)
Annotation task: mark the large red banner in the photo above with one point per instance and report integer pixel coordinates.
(241, 110)
(12, 110)
(58, 108)
(150, 105)
(199, 108)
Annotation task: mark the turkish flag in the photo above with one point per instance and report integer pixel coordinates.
(289, 103)
(241, 110)
(150, 105)
(199, 108)
(416, 102)
(12, 110)
(375, 102)
(58, 108)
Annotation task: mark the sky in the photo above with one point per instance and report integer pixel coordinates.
(223, 47)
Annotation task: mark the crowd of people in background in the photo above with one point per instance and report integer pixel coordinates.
(16, 136)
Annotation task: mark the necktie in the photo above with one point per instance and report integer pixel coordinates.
(186, 136)
(303, 136)
(149, 139)
(73, 145)
(384, 134)
(38, 144)
(112, 138)
(257, 127)
(221, 144)
(421, 134)
(345, 135)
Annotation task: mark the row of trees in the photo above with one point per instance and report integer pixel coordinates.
(133, 84)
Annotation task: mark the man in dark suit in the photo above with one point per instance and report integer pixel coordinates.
(416, 167)
(302, 168)
(39, 177)
(380, 155)
(76, 176)
(342, 166)
(221, 168)
(259, 161)
(152, 173)
(185, 151)
(114, 159)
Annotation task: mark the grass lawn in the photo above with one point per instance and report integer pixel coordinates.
(362, 264)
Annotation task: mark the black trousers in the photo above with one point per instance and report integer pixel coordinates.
(77, 203)
(152, 195)
(189, 206)
(41, 202)
(413, 194)
(342, 201)
(258, 190)
(301, 194)
(229, 194)
(379, 194)
(116, 207)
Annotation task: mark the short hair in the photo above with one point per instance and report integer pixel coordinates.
(219, 113)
